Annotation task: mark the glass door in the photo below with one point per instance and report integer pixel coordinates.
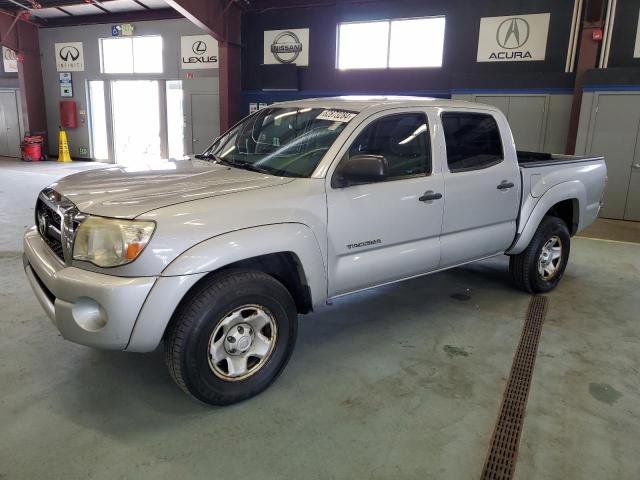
(175, 119)
(136, 121)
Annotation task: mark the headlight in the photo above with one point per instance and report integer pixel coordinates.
(108, 242)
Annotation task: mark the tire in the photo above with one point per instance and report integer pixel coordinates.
(224, 306)
(525, 267)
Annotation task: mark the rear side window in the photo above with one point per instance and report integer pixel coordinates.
(473, 141)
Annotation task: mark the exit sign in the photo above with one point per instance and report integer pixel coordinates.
(124, 30)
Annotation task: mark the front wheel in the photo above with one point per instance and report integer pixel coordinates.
(539, 268)
(232, 337)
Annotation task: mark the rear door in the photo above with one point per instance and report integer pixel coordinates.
(482, 186)
(381, 232)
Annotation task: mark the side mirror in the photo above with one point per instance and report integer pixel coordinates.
(360, 169)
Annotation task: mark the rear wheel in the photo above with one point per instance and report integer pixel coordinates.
(539, 268)
(232, 337)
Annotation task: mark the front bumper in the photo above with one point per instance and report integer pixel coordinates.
(88, 308)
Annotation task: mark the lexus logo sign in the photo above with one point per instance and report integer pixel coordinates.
(198, 51)
(286, 46)
(69, 53)
(514, 38)
(199, 47)
(513, 33)
(69, 57)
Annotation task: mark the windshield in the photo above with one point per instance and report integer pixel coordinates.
(281, 141)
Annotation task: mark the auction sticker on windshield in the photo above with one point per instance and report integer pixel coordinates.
(336, 116)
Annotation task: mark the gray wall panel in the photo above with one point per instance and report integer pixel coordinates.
(89, 35)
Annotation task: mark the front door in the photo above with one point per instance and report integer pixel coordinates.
(385, 231)
(482, 188)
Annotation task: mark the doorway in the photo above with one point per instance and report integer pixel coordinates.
(9, 124)
(136, 121)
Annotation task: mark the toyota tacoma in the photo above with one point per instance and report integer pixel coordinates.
(299, 203)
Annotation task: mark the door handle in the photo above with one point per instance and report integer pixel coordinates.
(504, 185)
(429, 196)
(636, 166)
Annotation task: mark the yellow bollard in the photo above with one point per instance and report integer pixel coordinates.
(63, 148)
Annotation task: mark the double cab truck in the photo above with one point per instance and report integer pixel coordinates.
(299, 203)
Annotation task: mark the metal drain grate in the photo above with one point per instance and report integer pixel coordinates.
(503, 450)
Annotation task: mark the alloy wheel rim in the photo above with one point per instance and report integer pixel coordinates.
(550, 258)
(242, 342)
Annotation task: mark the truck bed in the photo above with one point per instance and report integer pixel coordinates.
(536, 159)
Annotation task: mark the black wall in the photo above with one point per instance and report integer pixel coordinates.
(459, 71)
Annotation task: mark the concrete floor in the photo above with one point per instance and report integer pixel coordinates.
(403, 382)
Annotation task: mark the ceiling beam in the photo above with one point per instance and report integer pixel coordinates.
(113, 17)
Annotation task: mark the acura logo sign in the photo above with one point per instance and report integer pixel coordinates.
(199, 47)
(286, 47)
(69, 53)
(513, 33)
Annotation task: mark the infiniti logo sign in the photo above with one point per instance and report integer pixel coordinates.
(513, 33)
(69, 53)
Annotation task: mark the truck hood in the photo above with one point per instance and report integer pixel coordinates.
(126, 192)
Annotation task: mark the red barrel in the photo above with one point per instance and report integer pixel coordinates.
(31, 148)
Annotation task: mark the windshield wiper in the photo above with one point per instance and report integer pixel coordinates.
(206, 156)
(244, 165)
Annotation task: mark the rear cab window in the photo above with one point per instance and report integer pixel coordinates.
(473, 141)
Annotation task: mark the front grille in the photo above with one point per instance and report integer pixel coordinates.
(49, 225)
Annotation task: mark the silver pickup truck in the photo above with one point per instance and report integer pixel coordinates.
(297, 204)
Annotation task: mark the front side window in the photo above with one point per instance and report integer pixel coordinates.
(473, 141)
(281, 141)
(402, 139)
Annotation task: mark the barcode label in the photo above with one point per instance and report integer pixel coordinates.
(336, 116)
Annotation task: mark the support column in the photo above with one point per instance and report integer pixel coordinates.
(22, 36)
(587, 59)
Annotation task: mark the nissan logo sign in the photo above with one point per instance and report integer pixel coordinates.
(513, 33)
(286, 47)
(69, 54)
(199, 47)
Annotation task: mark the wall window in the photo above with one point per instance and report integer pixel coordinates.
(408, 43)
(131, 55)
(473, 141)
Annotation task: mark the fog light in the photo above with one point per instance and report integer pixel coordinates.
(88, 314)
